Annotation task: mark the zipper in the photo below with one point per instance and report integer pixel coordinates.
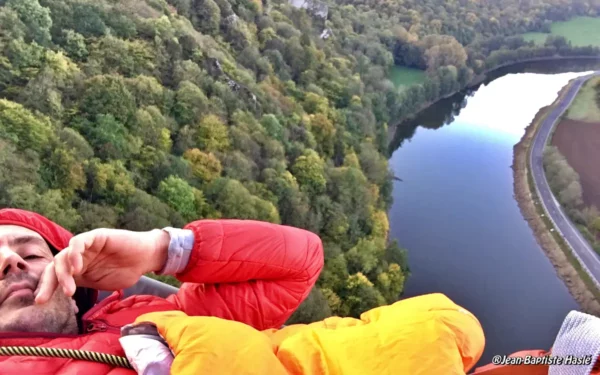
(96, 327)
(90, 327)
(100, 325)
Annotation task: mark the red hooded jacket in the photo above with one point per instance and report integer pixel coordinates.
(252, 272)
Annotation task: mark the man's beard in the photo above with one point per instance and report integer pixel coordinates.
(20, 301)
(21, 314)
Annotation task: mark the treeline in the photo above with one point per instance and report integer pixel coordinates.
(456, 42)
(453, 67)
(553, 47)
(494, 52)
(566, 186)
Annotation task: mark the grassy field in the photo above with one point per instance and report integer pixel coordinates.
(404, 77)
(581, 31)
(585, 106)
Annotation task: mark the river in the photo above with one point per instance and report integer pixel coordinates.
(455, 212)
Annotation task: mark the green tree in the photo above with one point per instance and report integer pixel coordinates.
(51, 204)
(310, 173)
(234, 201)
(190, 103)
(335, 272)
(12, 28)
(55, 81)
(152, 128)
(351, 160)
(110, 181)
(212, 134)
(359, 296)
(272, 126)
(110, 55)
(391, 283)
(147, 91)
(96, 216)
(62, 170)
(365, 256)
(179, 195)
(266, 210)
(145, 212)
(373, 164)
(76, 143)
(108, 95)
(292, 203)
(75, 45)
(35, 17)
(314, 103)
(23, 128)
(314, 308)
(18, 168)
(239, 167)
(205, 16)
(109, 137)
(324, 132)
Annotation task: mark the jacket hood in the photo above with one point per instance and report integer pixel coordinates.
(57, 238)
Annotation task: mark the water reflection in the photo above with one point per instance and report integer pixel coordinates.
(445, 111)
(456, 215)
(500, 108)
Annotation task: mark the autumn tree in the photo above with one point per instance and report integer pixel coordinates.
(110, 181)
(23, 128)
(212, 134)
(308, 169)
(324, 132)
(205, 166)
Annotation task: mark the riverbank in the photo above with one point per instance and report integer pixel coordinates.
(485, 75)
(558, 252)
(482, 78)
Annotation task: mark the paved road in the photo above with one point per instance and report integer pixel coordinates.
(581, 248)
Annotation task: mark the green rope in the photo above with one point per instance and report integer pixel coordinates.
(83, 355)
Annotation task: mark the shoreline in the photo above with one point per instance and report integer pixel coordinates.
(566, 265)
(479, 79)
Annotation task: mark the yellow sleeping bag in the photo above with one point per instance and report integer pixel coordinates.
(428, 334)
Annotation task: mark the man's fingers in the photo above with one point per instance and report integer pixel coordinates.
(77, 246)
(64, 273)
(47, 285)
(75, 254)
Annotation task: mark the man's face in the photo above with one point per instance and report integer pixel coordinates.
(23, 257)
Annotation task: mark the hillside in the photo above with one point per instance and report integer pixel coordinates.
(142, 114)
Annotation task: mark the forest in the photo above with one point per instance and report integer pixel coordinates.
(141, 114)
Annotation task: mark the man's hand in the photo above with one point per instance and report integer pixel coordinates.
(105, 259)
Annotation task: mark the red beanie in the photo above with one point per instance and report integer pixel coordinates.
(56, 236)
